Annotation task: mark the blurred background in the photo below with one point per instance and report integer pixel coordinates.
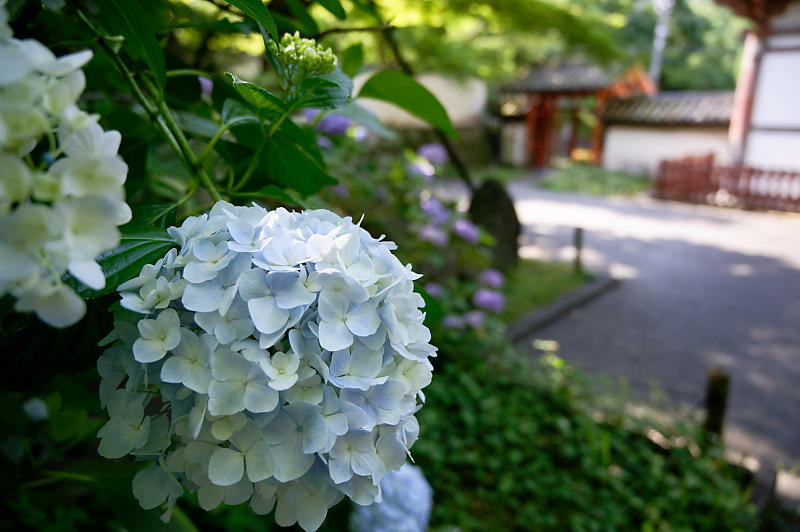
(609, 242)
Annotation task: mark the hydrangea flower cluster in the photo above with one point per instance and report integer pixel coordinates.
(280, 360)
(298, 58)
(60, 213)
(436, 229)
(406, 506)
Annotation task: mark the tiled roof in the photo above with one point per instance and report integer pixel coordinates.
(673, 108)
(565, 77)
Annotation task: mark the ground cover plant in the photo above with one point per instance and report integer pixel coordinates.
(596, 181)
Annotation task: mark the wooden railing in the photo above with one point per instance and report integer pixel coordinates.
(697, 180)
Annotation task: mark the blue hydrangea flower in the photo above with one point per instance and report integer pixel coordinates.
(287, 353)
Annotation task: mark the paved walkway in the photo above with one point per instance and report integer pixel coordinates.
(703, 287)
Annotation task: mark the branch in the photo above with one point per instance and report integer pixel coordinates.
(463, 172)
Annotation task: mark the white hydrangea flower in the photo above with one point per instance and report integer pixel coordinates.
(289, 353)
(57, 217)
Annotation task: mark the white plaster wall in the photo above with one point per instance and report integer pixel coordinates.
(512, 144)
(777, 97)
(773, 150)
(465, 102)
(638, 149)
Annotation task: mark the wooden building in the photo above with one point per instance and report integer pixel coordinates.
(562, 88)
(765, 124)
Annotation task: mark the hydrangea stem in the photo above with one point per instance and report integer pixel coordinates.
(160, 114)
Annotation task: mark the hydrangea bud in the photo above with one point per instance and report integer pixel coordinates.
(298, 58)
(57, 217)
(288, 361)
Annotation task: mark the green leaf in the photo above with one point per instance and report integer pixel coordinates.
(197, 125)
(274, 192)
(334, 7)
(302, 19)
(289, 164)
(235, 111)
(367, 118)
(325, 92)
(255, 95)
(152, 214)
(256, 10)
(405, 92)
(140, 34)
(433, 309)
(351, 59)
(138, 246)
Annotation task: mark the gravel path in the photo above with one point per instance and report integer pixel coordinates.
(703, 287)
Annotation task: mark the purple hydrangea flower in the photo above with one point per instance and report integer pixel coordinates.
(466, 230)
(452, 321)
(489, 299)
(206, 85)
(434, 152)
(434, 289)
(333, 124)
(437, 212)
(433, 234)
(474, 318)
(324, 142)
(422, 169)
(341, 190)
(492, 278)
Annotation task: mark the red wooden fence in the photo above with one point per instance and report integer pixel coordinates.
(697, 180)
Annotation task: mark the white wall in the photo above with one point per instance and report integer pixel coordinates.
(638, 149)
(777, 97)
(773, 150)
(776, 105)
(465, 102)
(514, 136)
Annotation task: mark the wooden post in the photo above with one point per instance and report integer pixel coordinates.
(578, 242)
(531, 120)
(597, 130)
(717, 387)
(545, 141)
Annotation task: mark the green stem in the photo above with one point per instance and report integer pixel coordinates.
(252, 166)
(195, 167)
(160, 114)
(225, 127)
(192, 190)
(179, 72)
(56, 476)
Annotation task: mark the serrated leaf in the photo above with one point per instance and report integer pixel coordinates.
(141, 36)
(334, 7)
(366, 118)
(256, 10)
(255, 95)
(325, 92)
(405, 92)
(137, 247)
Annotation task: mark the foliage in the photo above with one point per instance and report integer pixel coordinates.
(514, 448)
(594, 180)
